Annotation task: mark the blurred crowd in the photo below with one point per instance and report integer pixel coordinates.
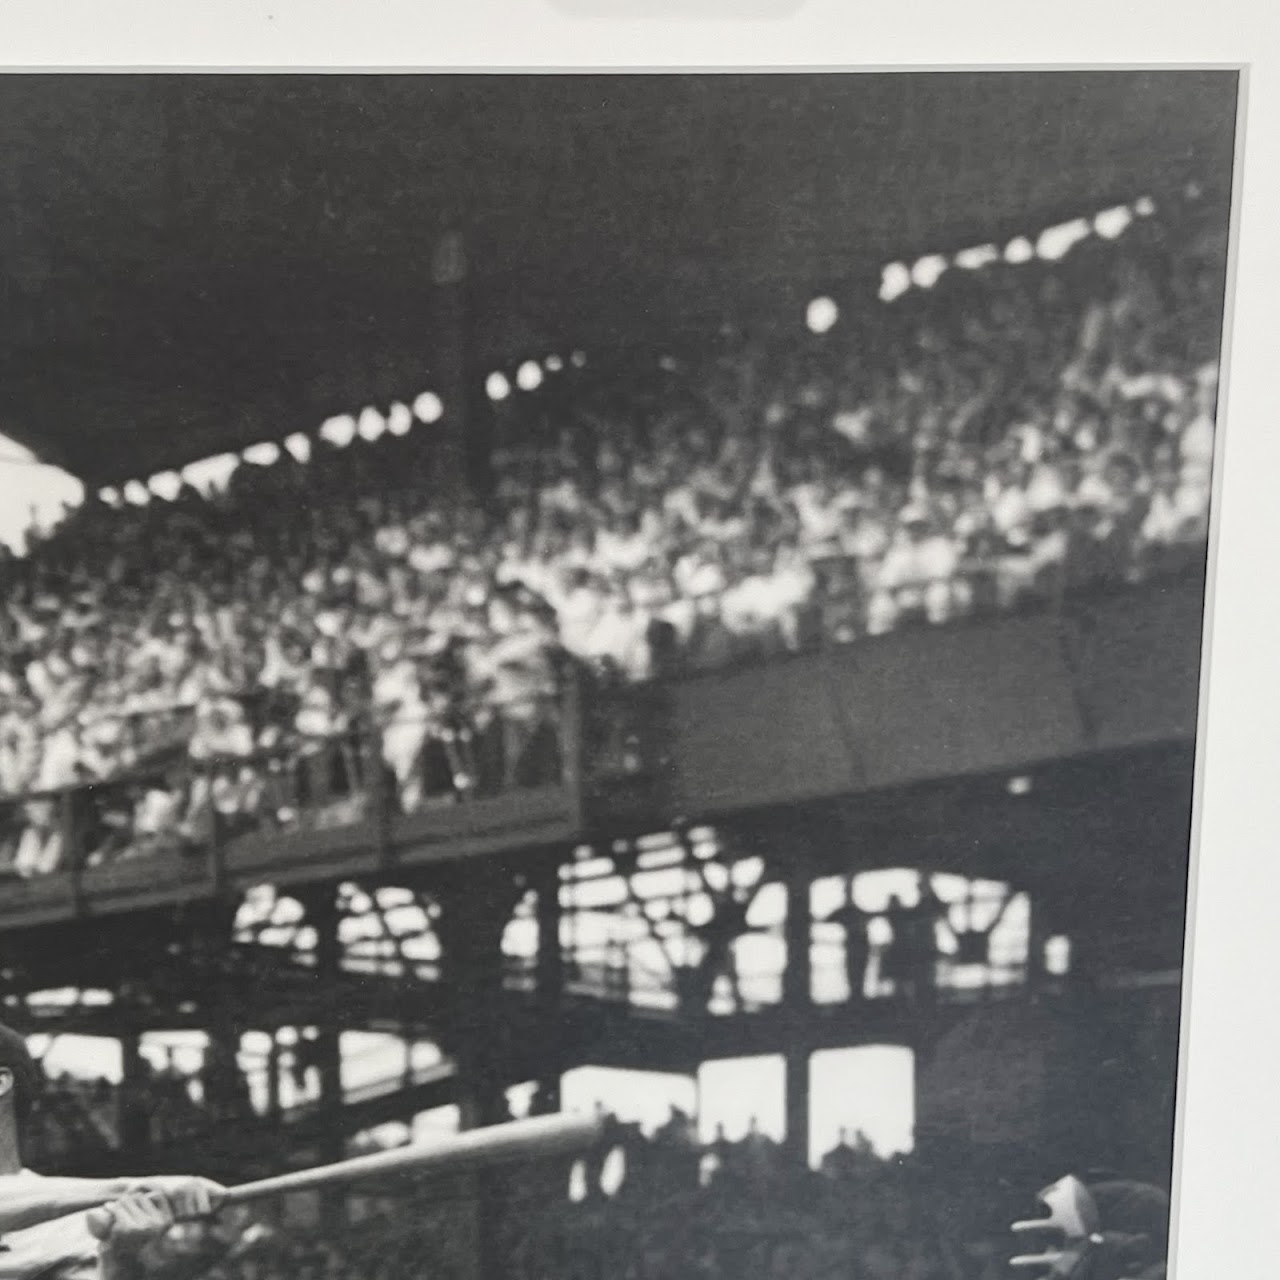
(659, 1208)
(1002, 437)
(76, 1117)
(82, 1118)
(992, 442)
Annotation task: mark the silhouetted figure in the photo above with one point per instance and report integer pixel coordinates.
(719, 1160)
(857, 945)
(847, 1160)
(675, 1146)
(677, 1130)
(759, 1155)
(840, 1163)
(617, 976)
(717, 935)
(910, 958)
(595, 1158)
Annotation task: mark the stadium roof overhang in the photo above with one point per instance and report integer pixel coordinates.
(196, 263)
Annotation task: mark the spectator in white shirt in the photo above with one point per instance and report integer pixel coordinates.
(157, 821)
(398, 700)
(920, 566)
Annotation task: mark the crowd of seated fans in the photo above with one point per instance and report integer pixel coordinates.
(80, 1118)
(76, 1117)
(995, 440)
(670, 1209)
(666, 1206)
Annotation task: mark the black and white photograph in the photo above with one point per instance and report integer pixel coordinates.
(600, 672)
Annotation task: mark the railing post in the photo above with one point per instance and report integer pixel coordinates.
(274, 1110)
(133, 1121)
(1036, 971)
(72, 851)
(797, 1000)
(380, 795)
(549, 990)
(325, 916)
(217, 855)
(320, 769)
(572, 736)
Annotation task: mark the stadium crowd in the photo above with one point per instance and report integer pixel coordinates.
(991, 442)
(662, 1206)
(669, 1209)
(81, 1118)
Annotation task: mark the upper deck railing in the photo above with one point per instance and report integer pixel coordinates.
(311, 808)
(1099, 671)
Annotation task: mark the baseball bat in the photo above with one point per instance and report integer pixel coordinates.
(468, 1152)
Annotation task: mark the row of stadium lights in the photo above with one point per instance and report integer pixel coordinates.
(529, 376)
(821, 316)
(1051, 245)
(339, 431)
(897, 278)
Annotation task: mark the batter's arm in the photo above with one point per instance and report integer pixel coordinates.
(27, 1202)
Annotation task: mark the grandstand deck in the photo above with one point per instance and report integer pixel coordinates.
(1115, 675)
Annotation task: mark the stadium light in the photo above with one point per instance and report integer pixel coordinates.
(371, 424)
(1057, 955)
(339, 431)
(529, 376)
(553, 364)
(299, 446)
(265, 454)
(895, 280)
(1056, 242)
(428, 407)
(1019, 250)
(1144, 206)
(165, 485)
(496, 386)
(579, 359)
(136, 492)
(1020, 785)
(926, 271)
(978, 256)
(821, 314)
(211, 474)
(1110, 223)
(110, 496)
(399, 419)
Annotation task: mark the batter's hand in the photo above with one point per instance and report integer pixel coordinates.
(128, 1224)
(188, 1197)
(178, 1199)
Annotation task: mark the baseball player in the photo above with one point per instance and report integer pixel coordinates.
(78, 1228)
(1105, 1229)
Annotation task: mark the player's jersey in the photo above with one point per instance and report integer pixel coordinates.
(62, 1249)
